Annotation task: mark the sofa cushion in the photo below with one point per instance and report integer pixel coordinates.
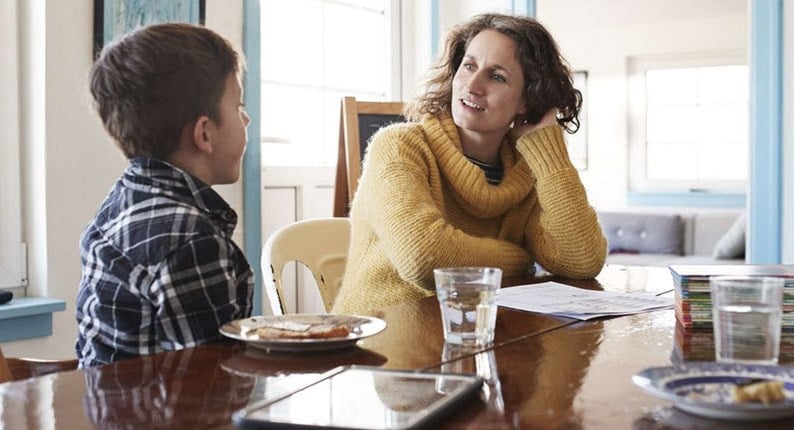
(731, 244)
(708, 227)
(629, 232)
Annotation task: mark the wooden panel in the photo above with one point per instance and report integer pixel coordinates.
(292, 194)
(319, 202)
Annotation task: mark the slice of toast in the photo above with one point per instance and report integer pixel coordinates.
(764, 392)
(310, 331)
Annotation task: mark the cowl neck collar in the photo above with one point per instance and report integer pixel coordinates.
(468, 183)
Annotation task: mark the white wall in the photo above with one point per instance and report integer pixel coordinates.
(453, 12)
(69, 163)
(226, 17)
(416, 56)
(11, 262)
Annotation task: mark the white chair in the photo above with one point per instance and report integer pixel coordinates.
(320, 244)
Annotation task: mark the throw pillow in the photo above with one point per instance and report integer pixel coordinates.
(731, 244)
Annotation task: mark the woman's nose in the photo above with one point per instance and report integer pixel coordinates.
(475, 83)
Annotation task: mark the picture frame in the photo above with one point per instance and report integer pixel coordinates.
(113, 18)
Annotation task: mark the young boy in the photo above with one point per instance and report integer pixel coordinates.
(160, 271)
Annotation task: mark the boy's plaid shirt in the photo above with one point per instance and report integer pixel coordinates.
(160, 270)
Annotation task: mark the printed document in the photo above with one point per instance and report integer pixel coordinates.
(571, 302)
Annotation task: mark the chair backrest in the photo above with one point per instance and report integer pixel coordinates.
(357, 123)
(14, 369)
(320, 244)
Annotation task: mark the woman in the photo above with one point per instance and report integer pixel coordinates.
(480, 177)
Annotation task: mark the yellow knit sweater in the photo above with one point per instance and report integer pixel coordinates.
(422, 204)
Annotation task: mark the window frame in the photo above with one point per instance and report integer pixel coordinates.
(637, 121)
(393, 18)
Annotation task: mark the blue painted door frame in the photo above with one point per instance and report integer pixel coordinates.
(252, 171)
(764, 236)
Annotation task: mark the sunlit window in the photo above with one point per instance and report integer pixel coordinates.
(314, 52)
(690, 128)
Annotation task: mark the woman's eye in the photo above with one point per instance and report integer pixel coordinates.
(468, 66)
(499, 78)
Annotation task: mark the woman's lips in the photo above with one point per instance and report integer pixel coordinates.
(471, 104)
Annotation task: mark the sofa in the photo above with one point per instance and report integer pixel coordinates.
(663, 238)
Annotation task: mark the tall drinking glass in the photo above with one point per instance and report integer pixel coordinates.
(467, 296)
(747, 314)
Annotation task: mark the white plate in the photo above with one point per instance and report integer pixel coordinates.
(360, 328)
(704, 388)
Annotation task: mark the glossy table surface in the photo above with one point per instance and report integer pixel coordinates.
(541, 372)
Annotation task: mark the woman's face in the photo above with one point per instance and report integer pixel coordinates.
(488, 87)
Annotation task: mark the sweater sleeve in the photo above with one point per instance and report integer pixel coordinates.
(562, 231)
(402, 201)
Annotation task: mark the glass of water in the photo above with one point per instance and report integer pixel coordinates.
(467, 296)
(747, 314)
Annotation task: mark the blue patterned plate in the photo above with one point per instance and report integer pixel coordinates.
(704, 389)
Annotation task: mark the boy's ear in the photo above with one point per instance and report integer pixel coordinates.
(202, 134)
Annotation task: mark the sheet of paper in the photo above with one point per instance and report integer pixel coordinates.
(571, 302)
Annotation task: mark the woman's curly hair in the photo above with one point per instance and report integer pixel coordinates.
(546, 74)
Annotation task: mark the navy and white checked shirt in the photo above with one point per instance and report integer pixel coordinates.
(160, 270)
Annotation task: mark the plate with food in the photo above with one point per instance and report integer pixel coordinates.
(303, 332)
(724, 391)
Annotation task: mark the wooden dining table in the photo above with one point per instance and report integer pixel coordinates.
(541, 372)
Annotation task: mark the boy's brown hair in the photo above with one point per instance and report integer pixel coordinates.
(152, 82)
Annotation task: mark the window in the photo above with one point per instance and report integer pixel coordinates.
(577, 142)
(314, 52)
(689, 124)
(12, 255)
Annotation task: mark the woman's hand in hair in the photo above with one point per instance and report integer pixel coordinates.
(522, 129)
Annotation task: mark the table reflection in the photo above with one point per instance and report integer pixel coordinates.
(164, 391)
(257, 362)
(482, 364)
(671, 418)
(698, 345)
(537, 381)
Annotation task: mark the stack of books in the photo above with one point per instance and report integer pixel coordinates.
(693, 345)
(694, 333)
